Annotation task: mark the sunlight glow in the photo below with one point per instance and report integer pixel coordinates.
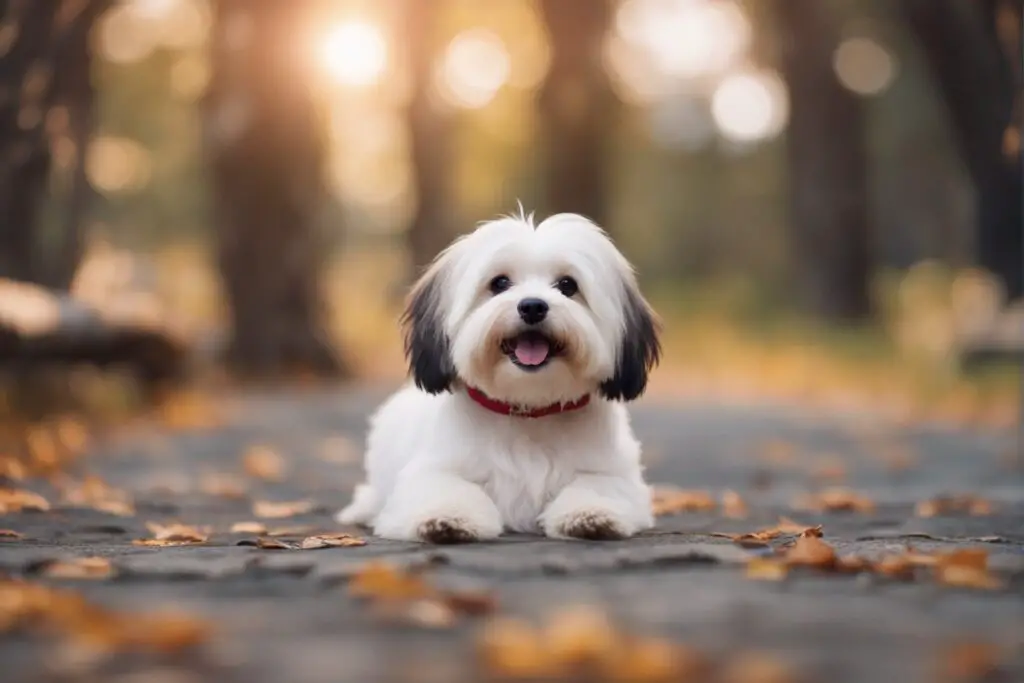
(475, 67)
(686, 38)
(750, 106)
(355, 53)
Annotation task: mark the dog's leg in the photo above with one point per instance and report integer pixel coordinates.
(599, 507)
(438, 507)
(362, 509)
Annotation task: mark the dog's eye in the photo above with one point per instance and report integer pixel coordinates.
(567, 286)
(500, 284)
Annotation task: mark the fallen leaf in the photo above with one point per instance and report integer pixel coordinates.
(785, 527)
(425, 613)
(767, 569)
(274, 544)
(966, 568)
(473, 603)
(298, 530)
(338, 449)
(383, 581)
(810, 551)
(248, 528)
(17, 500)
(899, 567)
(13, 469)
(666, 500)
(331, 541)
(652, 660)
(78, 568)
(962, 504)
(264, 463)
(173, 534)
(756, 667)
(969, 661)
(852, 564)
(278, 510)
(778, 453)
(10, 535)
(579, 635)
(514, 648)
(835, 499)
(733, 505)
(222, 485)
(93, 492)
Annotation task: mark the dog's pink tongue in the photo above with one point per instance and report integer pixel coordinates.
(531, 351)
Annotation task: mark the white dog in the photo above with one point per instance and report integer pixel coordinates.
(523, 342)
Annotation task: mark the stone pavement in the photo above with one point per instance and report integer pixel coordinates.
(286, 616)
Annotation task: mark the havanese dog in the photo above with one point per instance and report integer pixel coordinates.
(524, 342)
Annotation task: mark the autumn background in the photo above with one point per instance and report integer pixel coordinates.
(822, 197)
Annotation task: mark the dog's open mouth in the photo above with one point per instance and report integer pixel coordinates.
(531, 350)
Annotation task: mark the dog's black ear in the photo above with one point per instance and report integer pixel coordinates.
(427, 347)
(639, 353)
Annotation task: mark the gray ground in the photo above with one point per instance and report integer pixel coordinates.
(285, 616)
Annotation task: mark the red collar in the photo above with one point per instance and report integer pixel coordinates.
(508, 409)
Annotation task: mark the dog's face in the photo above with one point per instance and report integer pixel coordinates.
(532, 315)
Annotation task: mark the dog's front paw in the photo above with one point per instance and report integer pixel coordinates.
(447, 531)
(591, 524)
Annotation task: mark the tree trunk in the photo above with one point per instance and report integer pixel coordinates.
(45, 70)
(430, 138)
(828, 196)
(578, 108)
(266, 155)
(979, 82)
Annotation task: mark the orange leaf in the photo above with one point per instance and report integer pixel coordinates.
(79, 568)
(810, 551)
(10, 535)
(16, 500)
(279, 510)
(263, 463)
(733, 505)
(766, 569)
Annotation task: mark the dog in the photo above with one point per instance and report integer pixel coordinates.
(524, 342)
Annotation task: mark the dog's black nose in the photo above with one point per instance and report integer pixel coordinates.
(533, 311)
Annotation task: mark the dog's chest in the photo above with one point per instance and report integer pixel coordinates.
(524, 474)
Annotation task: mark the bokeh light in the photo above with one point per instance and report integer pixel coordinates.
(355, 53)
(117, 164)
(474, 68)
(749, 106)
(864, 66)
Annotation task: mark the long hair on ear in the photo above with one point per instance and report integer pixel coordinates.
(427, 347)
(640, 350)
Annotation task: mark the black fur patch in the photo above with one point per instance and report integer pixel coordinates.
(640, 352)
(427, 347)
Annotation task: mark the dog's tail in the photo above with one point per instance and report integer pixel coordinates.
(364, 507)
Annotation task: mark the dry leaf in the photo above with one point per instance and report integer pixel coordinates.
(852, 564)
(298, 530)
(830, 468)
(835, 499)
(79, 568)
(767, 569)
(651, 660)
(248, 528)
(810, 551)
(966, 568)
(93, 492)
(954, 505)
(473, 603)
(10, 535)
(264, 463)
(785, 527)
(222, 485)
(969, 661)
(898, 567)
(733, 505)
(778, 453)
(339, 449)
(17, 500)
(757, 667)
(331, 541)
(425, 613)
(278, 510)
(667, 500)
(173, 534)
(13, 469)
(580, 635)
(274, 544)
(513, 648)
(383, 581)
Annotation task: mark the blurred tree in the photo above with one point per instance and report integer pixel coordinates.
(828, 203)
(264, 144)
(577, 107)
(974, 52)
(48, 98)
(430, 136)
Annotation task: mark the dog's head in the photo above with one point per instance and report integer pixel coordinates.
(532, 315)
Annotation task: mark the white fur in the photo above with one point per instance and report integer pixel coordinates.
(443, 459)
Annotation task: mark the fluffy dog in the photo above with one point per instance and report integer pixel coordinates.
(523, 342)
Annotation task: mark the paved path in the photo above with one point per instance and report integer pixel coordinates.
(287, 616)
